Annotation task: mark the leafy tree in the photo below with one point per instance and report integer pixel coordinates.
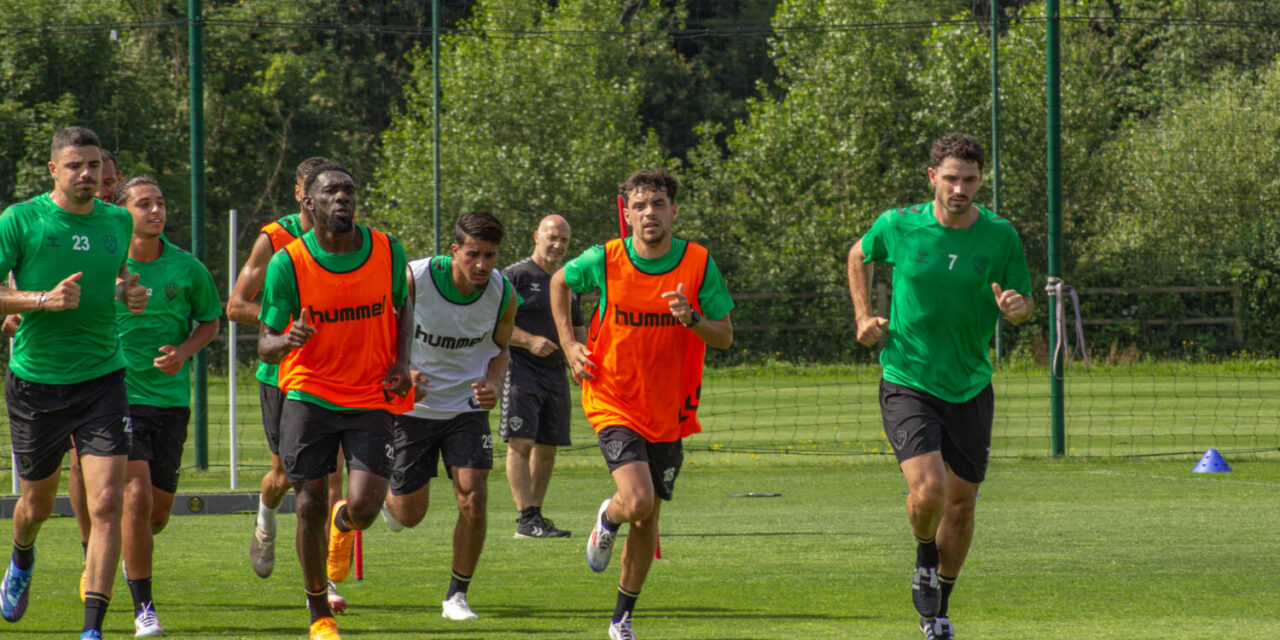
(539, 116)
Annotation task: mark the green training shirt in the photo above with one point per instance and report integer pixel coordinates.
(587, 272)
(280, 302)
(270, 373)
(943, 311)
(179, 290)
(42, 244)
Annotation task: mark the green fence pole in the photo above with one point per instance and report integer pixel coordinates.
(200, 381)
(435, 123)
(995, 137)
(1053, 79)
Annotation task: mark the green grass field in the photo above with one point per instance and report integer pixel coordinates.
(1151, 408)
(1064, 549)
(1103, 544)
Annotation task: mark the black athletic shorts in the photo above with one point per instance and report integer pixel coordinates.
(311, 434)
(159, 434)
(535, 407)
(43, 416)
(463, 441)
(621, 445)
(917, 423)
(272, 400)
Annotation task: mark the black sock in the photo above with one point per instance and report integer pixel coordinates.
(24, 557)
(318, 604)
(84, 547)
(604, 520)
(95, 609)
(340, 519)
(140, 589)
(626, 603)
(458, 583)
(948, 584)
(528, 513)
(926, 552)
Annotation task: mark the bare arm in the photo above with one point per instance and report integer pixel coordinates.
(533, 343)
(870, 328)
(399, 379)
(273, 346)
(575, 350)
(241, 306)
(486, 390)
(175, 357)
(716, 333)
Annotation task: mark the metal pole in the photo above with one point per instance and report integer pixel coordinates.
(195, 46)
(435, 124)
(232, 225)
(1053, 78)
(995, 138)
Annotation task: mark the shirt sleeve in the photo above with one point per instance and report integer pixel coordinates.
(1016, 276)
(399, 284)
(10, 241)
(205, 304)
(714, 297)
(876, 242)
(280, 302)
(586, 272)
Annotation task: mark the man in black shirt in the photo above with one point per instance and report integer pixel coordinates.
(535, 400)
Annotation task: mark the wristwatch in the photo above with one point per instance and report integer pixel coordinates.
(694, 318)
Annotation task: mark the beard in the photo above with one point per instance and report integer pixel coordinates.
(339, 225)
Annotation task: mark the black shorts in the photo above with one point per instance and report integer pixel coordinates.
(463, 441)
(535, 407)
(311, 434)
(621, 445)
(272, 400)
(159, 434)
(43, 416)
(917, 423)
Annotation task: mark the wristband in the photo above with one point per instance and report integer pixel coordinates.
(694, 318)
(40, 303)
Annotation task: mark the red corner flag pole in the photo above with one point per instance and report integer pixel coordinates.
(359, 555)
(623, 232)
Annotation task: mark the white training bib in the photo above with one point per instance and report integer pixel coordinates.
(452, 343)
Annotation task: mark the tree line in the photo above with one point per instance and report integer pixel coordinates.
(791, 125)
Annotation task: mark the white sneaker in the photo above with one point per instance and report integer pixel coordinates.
(147, 624)
(392, 524)
(621, 630)
(600, 542)
(262, 551)
(456, 608)
(337, 603)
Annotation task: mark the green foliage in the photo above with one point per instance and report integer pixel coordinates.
(530, 125)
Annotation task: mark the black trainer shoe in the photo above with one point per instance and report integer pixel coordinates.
(538, 527)
(926, 593)
(938, 628)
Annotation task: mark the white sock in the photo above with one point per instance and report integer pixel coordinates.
(266, 517)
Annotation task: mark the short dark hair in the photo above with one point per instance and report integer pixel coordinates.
(960, 146)
(121, 196)
(107, 156)
(655, 179)
(73, 137)
(323, 167)
(480, 225)
(307, 166)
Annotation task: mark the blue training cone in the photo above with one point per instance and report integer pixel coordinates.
(1211, 462)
